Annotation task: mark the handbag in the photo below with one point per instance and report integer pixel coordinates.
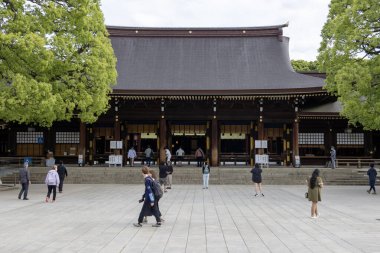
(306, 195)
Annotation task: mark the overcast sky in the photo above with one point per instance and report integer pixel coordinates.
(306, 17)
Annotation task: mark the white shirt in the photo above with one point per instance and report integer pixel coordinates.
(132, 153)
(180, 152)
(168, 154)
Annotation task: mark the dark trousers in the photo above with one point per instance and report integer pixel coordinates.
(60, 186)
(199, 161)
(24, 189)
(146, 208)
(52, 188)
(148, 160)
(372, 186)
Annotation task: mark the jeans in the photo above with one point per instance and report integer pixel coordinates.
(332, 163)
(205, 180)
(24, 189)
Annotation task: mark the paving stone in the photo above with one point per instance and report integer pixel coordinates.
(224, 218)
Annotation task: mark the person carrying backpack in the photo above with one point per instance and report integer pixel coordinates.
(150, 205)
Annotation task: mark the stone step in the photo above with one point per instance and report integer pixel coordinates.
(193, 175)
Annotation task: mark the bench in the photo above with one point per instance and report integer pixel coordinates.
(234, 158)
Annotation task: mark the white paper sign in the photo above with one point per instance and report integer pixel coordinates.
(262, 159)
(261, 144)
(116, 144)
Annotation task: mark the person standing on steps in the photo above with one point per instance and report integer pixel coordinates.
(315, 185)
(52, 181)
(372, 173)
(199, 155)
(168, 155)
(131, 156)
(256, 178)
(62, 173)
(333, 157)
(180, 153)
(206, 174)
(24, 179)
(149, 201)
(148, 155)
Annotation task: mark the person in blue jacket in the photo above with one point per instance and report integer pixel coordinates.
(149, 205)
(372, 173)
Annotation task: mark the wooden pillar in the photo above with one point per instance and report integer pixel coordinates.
(286, 145)
(82, 141)
(214, 142)
(368, 143)
(208, 146)
(260, 133)
(252, 145)
(163, 142)
(116, 130)
(295, 139)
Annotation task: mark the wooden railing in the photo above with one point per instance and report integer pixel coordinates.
(234, 157)
(358, 162)
(19, 161)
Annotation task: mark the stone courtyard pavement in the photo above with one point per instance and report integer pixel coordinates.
(224, 218)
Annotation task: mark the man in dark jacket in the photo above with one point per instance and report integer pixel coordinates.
(372, 173)
(24, 181)
(62, 172)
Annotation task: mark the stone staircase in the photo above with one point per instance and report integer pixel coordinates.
(193, 175)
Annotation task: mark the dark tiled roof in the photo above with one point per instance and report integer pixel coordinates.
(252, 64)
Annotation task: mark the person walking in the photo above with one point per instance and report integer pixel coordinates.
(149, 200)
(148, 155)
(169, 178)
(333, 157)
(180, 153)
(131, 156)
(52, 180)
(315, 185)
(199, 155)
(153, 175)
(372, 173)
(256, 178)
(163, 174)
(168, 154)
(62, 173)
(24, 178)
(206, 174)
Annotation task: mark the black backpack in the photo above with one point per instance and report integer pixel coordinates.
(157, 191)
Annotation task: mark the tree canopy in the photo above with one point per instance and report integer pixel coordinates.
(56, 61)
(304, 66)
(349, 54)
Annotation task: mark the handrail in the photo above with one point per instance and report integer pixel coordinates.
(358, 161)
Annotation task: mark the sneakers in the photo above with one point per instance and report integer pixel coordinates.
(313, 217)
(145, 220)
(158, 224)
(262, 194)
(374, 193)
(368, 191)
(25, 199)
(139, 225)
(47, 199)
(255, 195)
(168, 187)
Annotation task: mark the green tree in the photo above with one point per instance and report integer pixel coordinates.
(56, 61)
(349, 54)
(304, 66)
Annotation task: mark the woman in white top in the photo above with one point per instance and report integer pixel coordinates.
(131, 156)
